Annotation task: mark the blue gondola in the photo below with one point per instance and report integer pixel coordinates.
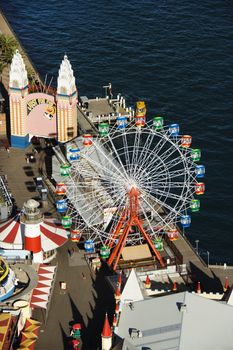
(121, 122)
(200, 171)
(89, 246)
(185, 221)
(174, 129)
(61, 205)
(74, 154)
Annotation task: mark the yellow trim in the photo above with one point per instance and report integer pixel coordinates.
(6, 270)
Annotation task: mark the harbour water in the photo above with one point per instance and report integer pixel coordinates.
(174, 55)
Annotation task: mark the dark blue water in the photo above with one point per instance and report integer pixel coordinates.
(175, 55)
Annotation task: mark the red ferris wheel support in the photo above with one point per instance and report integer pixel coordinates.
(128, 218)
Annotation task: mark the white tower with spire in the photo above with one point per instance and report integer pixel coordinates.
(106, 335)
(66, 102)
(18, 89)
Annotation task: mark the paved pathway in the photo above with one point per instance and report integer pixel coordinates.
(87, 298)
(20, 174)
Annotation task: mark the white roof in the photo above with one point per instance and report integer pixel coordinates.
(132, 291)
(177, 321)
(229, 298)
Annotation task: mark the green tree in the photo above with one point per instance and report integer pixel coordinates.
(8, 45)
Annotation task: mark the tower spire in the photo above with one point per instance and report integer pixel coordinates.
(18, 90)
(18, 77)
(66, 102)
(106, 335)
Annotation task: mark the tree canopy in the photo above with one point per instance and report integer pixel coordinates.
(8, 45)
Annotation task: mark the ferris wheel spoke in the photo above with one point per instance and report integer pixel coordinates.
(147, 223)
(109, 160)
(171, 164)
(124, 173)
(171, 175)
(91, 198)
(102, 171)
(137, 138)
(145, 149)
(169, 152)
(172, 185)
(162, 220)
(156, 152)
(163, 140)
(163, 205)
(169, 195)
(173, 147)
(126, 148)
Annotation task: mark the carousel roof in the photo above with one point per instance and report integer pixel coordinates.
(12, 234)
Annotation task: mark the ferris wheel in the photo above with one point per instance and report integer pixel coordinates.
(148, 169)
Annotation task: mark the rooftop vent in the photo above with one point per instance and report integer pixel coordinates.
(135, 333)
(183, 308)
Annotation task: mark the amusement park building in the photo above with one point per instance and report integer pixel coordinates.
(39, 113)
(181, 320)
(28, 232)
(176, 321)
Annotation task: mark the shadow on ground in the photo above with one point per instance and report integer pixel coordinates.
(104, 302)
(208, 283)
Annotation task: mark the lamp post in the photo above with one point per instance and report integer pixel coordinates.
(208, 258)
(197, 241)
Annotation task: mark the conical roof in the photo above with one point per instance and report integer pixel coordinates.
(106, 332)
(132, 291)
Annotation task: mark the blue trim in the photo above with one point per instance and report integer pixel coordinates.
(19, 89)
(8, 294)
(64, 95)
(20, 141)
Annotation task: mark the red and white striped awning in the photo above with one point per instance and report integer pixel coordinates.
(40, 294)
(12, 234)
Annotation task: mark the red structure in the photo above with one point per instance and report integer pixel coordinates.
(148, 282)
(118, 293)
(106, 332)
(174, 287)
(119, 279)
(226, 286)
(128, 219)
(198, 291)
(114, 322)
(117, 308)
